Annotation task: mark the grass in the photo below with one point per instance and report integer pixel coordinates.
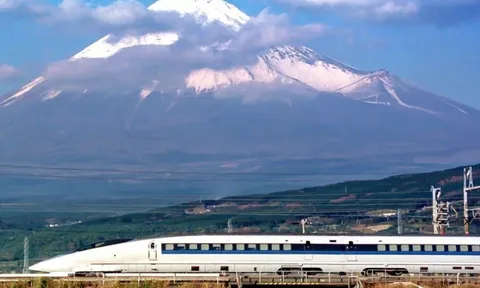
(437, 284)
(50, 283)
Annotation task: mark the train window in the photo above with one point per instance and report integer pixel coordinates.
(224, 268)
(452, 248)
(405, 247)
(463, 248)
(417, 248)
(240, 246)
(193, 246)
(205, 247)
(369, 247)
(287, 247)
(168, 246)
(299, 247)
(152, 245)
(195, 268)
(216, 246)
(440, 248)
(180, 246)
(229, 247)
(392, 247)
(423, 269)
(252, 247)
(276, 247)
(428, 248)
(475, 248)
(308, 246)
(382, 247)
(350, 246)
(263, 246)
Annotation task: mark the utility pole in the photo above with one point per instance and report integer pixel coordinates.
(440, 212)
(436, 192)
(467, 187)
(443, 216)
(303, 222)
(25, 255)
(399, 222)
(229, 225)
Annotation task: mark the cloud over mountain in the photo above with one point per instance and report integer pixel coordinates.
(119, 14)
(8, 72)
(194, 50)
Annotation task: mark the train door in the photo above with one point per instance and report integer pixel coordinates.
(308, 251)
(350, 252)
(152, 251)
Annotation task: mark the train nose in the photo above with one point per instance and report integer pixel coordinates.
(53, 265)
(39, 267)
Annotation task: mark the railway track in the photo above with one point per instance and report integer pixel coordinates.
(252, 279)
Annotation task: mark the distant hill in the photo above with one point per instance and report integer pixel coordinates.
(347, 207)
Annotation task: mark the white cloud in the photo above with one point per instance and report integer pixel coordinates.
(119, 13)
(438, 12)
(7, 72)
(268, 29)
(8, 4)
(392, 8)
(137, 66)
(367, 8)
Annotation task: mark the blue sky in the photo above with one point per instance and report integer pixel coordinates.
(431, 43)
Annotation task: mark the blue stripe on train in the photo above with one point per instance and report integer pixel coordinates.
(270, 252)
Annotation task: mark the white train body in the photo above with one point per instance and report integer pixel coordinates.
(272, 253)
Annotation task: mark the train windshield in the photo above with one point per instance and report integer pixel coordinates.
(102, 244)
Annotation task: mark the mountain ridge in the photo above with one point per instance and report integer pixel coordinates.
(285, 64)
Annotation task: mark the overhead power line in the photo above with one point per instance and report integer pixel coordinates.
(144, 171)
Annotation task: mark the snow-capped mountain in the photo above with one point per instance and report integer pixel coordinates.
(292, 103)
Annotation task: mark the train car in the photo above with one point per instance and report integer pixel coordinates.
(310, 254)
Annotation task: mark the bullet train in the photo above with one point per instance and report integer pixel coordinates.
(308, 254)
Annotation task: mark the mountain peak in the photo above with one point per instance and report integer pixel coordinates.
(308, 56)
(206, 11)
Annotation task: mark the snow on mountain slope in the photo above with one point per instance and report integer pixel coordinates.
(205, 12)
(376, 88)
(208, 10)
(103, 48)
(312, 69)
(382, 88)
(287, 64)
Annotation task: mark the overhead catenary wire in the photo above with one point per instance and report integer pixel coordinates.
(166, 208)
(163, 179)
(373, 203)
(312, 199)
(151, 171)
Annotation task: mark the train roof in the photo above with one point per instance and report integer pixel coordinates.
(299, 238)
(102, 244)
